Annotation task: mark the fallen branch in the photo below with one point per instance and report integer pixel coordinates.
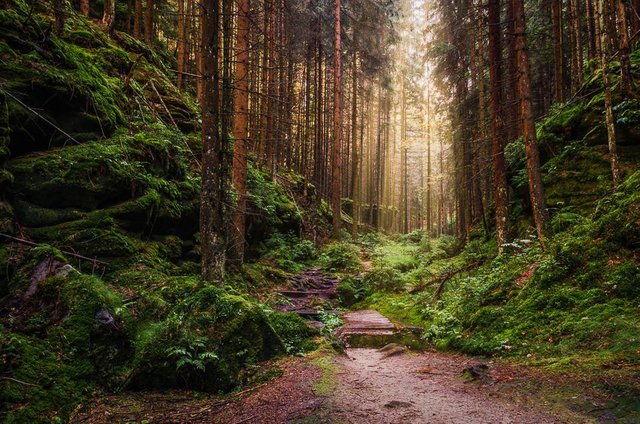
(447, 275)
(246, 419)
(21, 103)
(166, 109)
(33, 244)
(15, 380)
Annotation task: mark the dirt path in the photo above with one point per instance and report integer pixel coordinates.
(417, 388)
(367, 385)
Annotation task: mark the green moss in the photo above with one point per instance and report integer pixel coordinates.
(274, 204)
(224, 332)
(72, 355)
(618, 216)
(295, 333)
(340, 256)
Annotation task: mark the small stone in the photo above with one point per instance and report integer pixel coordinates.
(397, 404)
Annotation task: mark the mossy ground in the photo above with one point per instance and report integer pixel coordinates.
(571, 308)
(108, 170)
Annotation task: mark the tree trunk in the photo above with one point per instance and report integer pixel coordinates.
(200, 85)
(240, 132)
(336, 167)
(635, 19)
(558, 55)
(58, 12)
(497, 146)
(536, 189)
(601, 34)
(181, 45)
(109, 14)
(213, 178)
(576, 48)
(137, 19)
(511, 125)
(626, 81)
(149, 34)
(590, 29)
(429, 176)
(354, 136)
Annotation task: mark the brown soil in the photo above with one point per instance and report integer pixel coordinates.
(283, 399)
(388, 385)
(427, 387)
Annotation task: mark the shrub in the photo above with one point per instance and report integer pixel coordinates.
(296, 335)
(384, 279)
(352, 290)
(340, 257)
(288, 252)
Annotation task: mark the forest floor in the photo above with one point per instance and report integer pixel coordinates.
(378, 379)
(388, 385)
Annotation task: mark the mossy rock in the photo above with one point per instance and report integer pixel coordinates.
(63, 348)
(204, 343)
(618, 215)
(295, 333)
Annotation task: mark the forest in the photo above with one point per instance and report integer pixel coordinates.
(319, 211)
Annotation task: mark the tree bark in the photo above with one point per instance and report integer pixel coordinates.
(84, 7)
(181, 45)
(558, 55)
(137, 19)
(576, 49)
(635, 18)
(354, 136)
(149, 33)
(59, 15)
(336, 167)
(590, 29)
(536, 189)
(601, 34)
(497, 147)
(240, 132)
(109, 14)
(626, 81)
(213, 178)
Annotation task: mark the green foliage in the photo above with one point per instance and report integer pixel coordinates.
(578, 298)
(352, 290)
(331, 321)
(627, 113)
(414, 237)
(618, 215)
(74, 354)
(211, 336)
(295, 333)
(385, 279)
(340, 256)
(270, 198)
(397, 255)
(288, 252)
(514, 156)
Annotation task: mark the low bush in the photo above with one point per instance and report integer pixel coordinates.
(351, 291)
(384, 280)
(341, 257)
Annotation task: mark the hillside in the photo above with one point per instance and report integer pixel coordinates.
(100, 179)
(412, 307)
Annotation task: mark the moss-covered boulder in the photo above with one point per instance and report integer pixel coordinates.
(69, 335)
(618, 215)
(204, 343)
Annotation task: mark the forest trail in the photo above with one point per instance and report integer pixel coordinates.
(392, 384)
(425, 387)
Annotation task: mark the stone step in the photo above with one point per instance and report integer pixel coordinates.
(370, 329)
(308, 293)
